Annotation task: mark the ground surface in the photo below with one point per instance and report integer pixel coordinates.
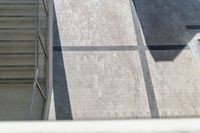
(108, 69)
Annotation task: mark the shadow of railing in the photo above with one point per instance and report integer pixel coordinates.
(60, 87)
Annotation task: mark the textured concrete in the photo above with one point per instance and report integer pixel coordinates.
(106, 85)
(195, 47)
(94, 22)
(105, 71)
(104, 81)
(176, 84)
(175, 74)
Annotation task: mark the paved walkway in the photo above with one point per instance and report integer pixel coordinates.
(106, 68)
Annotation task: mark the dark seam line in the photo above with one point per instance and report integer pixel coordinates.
(145, 68)
(16, 41)
(94, 48)
(193, 27)
(149, 85)
(17, 16)
(167, 47)
(17, 53)
(119, 48)
(16, 79)
(12, 82)
(8, 4)
(16, 66)
(17, 28)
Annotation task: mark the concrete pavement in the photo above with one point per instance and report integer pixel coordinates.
(105, 68)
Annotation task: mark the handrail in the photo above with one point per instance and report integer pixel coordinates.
(38, 43)
(33, 94)
(45, 7)
(43, 48)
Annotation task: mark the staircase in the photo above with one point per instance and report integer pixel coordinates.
(17, 60)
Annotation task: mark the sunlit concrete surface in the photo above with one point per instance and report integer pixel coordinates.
(95, 22)
(103, 76)
(106, 85)
(106, 68)
(176, 84)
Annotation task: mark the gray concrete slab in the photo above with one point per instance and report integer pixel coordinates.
(15, 100)
(105, 71)
(104, 81)
(94, 22)
(106, 85)
(174, 73)
(176, 84)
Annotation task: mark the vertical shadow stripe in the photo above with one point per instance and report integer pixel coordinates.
(144, 63)
(60, 86)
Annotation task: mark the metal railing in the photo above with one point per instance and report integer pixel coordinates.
(41, 59)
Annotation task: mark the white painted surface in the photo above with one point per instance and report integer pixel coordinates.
(138, 126)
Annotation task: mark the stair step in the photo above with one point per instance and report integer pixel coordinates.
(16, 67)
(16, 22)
(18, 40)
(15, 53)
(16, 80)
(17, 28)
(14, 60)
(18, 1)
(17, 47)
(15, 101)
(17, 74)
(16, 9)
(17, 34)
(17, 60)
